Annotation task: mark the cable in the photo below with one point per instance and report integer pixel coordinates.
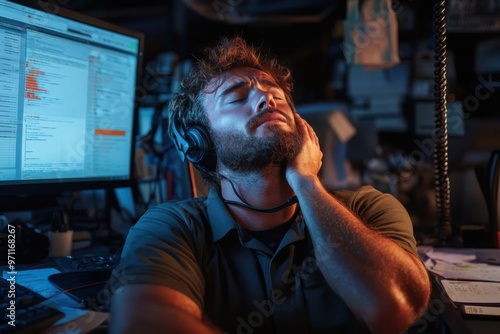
(290, 201)
(446, 233)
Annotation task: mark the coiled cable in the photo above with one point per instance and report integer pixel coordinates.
(447, 234)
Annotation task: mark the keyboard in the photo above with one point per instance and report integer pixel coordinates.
(87, 262)
(84, 278)
(25, 309)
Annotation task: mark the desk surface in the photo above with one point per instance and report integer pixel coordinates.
(456, 323)
(442, 308)
(35, 277)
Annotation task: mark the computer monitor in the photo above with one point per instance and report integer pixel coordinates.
(68, 101)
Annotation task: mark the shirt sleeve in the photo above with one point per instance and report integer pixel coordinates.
(383, 213)
(160, 249)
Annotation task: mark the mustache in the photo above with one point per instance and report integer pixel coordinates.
(256, 119)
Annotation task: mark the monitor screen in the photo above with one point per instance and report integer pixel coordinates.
(67, 100)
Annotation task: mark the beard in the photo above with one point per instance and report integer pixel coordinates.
(241, 152)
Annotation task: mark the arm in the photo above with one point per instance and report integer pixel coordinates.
(146, 308)
(158, 286)
(381, 282)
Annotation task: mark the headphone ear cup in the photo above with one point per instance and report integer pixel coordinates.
(201, 149)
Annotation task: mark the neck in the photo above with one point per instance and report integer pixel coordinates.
(264, 189)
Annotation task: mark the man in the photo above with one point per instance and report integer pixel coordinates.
(270, 250)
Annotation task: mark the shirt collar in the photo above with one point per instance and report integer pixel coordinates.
(220, 220)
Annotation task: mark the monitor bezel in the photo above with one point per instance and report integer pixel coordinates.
(12, 189)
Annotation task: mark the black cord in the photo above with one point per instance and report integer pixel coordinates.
(292, 200)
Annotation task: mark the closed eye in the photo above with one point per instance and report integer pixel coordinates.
(237, 101)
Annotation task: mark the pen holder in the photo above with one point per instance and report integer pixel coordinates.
(61, 243)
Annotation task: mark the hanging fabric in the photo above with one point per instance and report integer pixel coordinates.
(371, 34)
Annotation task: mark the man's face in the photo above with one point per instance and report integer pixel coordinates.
(252, 124)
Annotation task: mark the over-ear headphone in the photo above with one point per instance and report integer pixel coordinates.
(194, 145)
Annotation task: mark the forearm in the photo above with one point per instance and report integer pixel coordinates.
(155, 309)
(169, 320)
(379, 280)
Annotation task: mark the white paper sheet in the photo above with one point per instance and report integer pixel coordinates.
(464, 271)
(472, 291)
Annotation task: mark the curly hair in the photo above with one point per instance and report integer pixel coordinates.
(186, 107)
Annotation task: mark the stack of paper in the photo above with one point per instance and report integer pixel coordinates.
(458, 264)
(473, 286)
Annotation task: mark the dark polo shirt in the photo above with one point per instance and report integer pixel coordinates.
(195, 247)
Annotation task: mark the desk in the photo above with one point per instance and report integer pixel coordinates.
(441, 309)
(451, 317)
(77, 319)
